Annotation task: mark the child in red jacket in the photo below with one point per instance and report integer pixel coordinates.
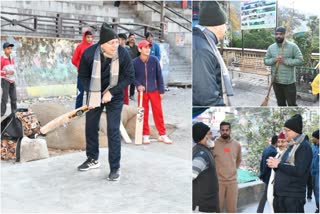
(148, 78)
(87, 41)
(8, 85)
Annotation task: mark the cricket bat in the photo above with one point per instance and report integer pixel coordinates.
(124, 134)
(63, 119)
(139, 121)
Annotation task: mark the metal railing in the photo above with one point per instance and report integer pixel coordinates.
(60, 26)
(148, 5)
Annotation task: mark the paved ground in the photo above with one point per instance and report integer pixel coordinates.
(251, 90)
(309, 207)
(155, 178)
(150, 182)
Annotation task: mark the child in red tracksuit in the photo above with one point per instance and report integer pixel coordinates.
(148, 78)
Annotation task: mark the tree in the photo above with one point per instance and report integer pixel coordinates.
(254, 128)
(256, 39)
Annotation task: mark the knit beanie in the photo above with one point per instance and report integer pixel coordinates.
(211, 14)
(315, 134)
(281, 29)
(294, 124)
(107, 34)
(199, 131)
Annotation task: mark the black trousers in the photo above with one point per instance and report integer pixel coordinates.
(132, 89)
(113, 110)
(309, 186)
(263, 199)
(283, 204)
(286, 94)
(8, 89)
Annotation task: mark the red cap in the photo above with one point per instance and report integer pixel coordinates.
(144, 43)
(281, 136)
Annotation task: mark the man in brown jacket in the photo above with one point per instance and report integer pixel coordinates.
(227, 154)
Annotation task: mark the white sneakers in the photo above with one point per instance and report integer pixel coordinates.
(162, 138)
(165, 139)
(146, 139)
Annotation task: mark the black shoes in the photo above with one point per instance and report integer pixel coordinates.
(114, 175)
(89, 164)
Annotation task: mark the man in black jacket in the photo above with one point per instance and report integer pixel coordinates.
(292, 170)
(112, 79)
(205, 188)
(206, 69)
(265, 171)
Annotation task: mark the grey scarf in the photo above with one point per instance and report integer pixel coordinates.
(94, 98)
(295, 143)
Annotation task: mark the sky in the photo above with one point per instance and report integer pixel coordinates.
(310, 7)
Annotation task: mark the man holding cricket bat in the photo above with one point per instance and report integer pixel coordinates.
(105, 70)
(149, 80)
(287, 55)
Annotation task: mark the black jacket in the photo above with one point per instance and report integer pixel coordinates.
(265, 171)
(126, 70)
(291, 181)
(205, 188)
(133, 51)
(206, 78)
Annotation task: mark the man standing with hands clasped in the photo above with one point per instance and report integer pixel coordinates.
(105, 70)
(288, 55)
(292, 169)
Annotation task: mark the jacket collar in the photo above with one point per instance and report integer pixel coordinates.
(210, 33)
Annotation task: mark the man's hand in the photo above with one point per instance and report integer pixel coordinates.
(9, 72)
(279, 59)
(273, 162)
(141, 88)
(107, 97)
(161, 96)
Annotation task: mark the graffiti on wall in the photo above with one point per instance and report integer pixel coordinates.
(43, 61)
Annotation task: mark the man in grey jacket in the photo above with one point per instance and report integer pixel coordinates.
(207, 83)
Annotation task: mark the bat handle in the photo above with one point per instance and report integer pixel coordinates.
(141, 98)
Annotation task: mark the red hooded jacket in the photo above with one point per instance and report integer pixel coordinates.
(80, 49)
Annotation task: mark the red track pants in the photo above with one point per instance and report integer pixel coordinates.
(155, 100)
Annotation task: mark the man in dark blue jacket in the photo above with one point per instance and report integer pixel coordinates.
(265, 171)
(105, 70)
(206, 69)
(292, 170)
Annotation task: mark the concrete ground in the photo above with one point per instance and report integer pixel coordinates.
(309, 207)
(154, 178)
(250, 91)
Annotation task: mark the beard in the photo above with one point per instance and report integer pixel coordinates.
(279, 40)
(210, 143)
(225, 136)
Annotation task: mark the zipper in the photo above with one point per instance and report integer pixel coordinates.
(146, 74)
